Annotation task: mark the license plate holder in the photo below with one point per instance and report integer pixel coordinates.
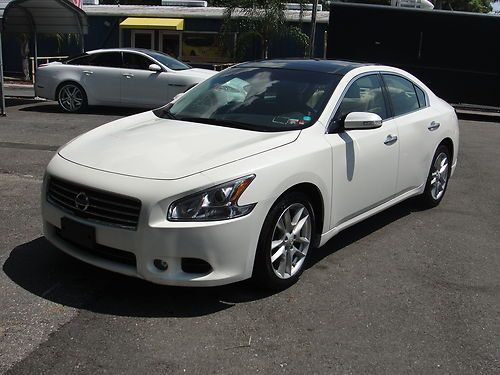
(78, 233)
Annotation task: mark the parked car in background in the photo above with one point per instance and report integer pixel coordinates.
(123, 77)
(249, 171)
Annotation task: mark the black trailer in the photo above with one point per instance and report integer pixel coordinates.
(456, 54)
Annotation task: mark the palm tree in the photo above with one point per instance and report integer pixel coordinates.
(258, 19)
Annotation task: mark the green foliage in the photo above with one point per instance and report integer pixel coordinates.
(258, 20)
(476, 6)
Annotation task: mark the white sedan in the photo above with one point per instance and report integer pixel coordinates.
(248, 172)
(123, 77)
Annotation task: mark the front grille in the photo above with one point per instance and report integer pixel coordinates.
(94, 205)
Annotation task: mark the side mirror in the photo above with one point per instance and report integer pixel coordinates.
(178, 96)
(155, 68)
(362, 120)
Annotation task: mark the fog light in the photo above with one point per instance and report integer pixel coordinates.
(160, 264)
(194, 265)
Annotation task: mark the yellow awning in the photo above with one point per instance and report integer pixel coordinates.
(153, 23)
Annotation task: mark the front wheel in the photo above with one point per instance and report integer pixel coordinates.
(285, 242)
(71, 97)
(437, 180)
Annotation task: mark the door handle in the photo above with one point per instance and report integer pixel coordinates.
(88, 72)
(433, 125)
(391, 139)
(128, 75)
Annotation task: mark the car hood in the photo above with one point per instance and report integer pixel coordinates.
(146, 146)
(196, 72)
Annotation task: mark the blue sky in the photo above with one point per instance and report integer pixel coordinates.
(496, 6)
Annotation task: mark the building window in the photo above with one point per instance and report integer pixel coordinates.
(207, 47)
(143, 39)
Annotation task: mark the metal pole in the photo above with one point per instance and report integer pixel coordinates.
(325, 43)
(82, 41)
(2, 92)
(35, 60)
(313, 28)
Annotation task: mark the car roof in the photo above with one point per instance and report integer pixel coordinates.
(313, 65)
(126, 49)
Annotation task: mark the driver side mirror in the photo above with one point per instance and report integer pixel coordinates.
(178, 96)
(362, 120)
(155, 68)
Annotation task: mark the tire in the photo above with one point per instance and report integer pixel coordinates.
(292, 211)
(71, 97)
(437, 179)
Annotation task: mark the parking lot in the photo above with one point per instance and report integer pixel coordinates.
(407, 291)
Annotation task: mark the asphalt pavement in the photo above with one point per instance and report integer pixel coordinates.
(405, 292)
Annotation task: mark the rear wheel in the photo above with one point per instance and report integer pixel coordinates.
(71, 97)
(285, 242)
(437, 180)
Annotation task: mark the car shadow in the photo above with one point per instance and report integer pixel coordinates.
(14, 102)
(40, 268)
(43, 270)
(53, 107)
(480, 117)
(364, 228)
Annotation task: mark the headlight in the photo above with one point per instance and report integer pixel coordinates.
(217, 203)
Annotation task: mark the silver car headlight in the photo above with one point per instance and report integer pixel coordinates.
(217, 203)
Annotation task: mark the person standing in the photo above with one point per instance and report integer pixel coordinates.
(25, 54)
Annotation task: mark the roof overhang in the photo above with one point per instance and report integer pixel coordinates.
(153, 23)
(187, 12)
(42, 16)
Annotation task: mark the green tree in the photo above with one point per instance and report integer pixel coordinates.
(261, 20)
(476, 6)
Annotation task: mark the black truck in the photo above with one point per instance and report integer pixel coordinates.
(456, 54)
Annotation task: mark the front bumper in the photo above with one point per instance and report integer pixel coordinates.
(227, 246)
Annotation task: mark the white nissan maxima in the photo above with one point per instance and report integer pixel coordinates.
(123, 77)
(248, 172)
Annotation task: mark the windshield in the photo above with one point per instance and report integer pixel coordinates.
(168, 61)
(262, 99)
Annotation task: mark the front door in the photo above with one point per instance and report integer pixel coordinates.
(365, 162)
(142, 87)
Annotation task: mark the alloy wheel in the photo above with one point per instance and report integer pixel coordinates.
(439, 176)
(71, 98)
(290, 241)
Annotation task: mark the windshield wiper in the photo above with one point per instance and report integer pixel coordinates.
(220, 122)
(164, 112)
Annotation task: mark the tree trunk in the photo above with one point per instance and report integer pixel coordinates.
(265, 48)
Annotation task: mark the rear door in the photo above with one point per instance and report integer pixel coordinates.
(101, 78)
(418, 128)
(142, 87)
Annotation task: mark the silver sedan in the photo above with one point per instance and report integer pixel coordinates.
(116, 77)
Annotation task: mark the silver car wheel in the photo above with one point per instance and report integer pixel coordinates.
(439, 176)
(71, 98)
(290, 241)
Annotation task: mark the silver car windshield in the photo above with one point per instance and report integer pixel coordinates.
(261, 99)
(168, 61)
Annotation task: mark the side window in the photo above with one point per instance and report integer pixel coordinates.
(421, 97)
(364, 95)
(136, 61)
(80, 60)
(402, 94)
(106, 59)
